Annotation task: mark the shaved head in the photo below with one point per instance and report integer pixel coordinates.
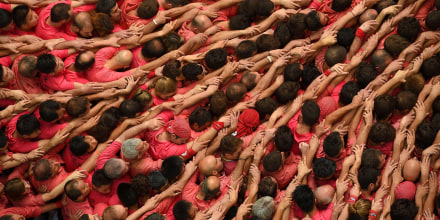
(369, 14)
(324, 194)
(411, 170)
(124, 57)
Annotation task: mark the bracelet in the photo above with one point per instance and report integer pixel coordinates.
(360, 33)
(352, 199)
(372, 215)
(218, 125)
(352, 14)
(155, 22)
(151, 75)
(270, 60)
(327, 72)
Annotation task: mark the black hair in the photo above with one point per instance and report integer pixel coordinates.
(425, 135)
(191, 71)
(284, 139)
(126, 194)
(19, 14)
(282, 33)
(364, 74)
(249, 80)
(432, 20)
(312, 21)
(264, 7)
(379, 59)
(60, 12)
(46, 63)
(324, 167)
(346, 36)
(42, 170)
(297, 25)
(172, 69)
(267, 187)
(348, 91)
(293, 72)
(105, 6)
(3, 139)
(72, 192)
(370, 158)
(100, 179)
(367, 175)
(147, 9)
(310, 113)
(5, 18)
(409, 28)
(218, 103)
(81, 65)
(287, 92)
(129, 108)
(141, 184)
(304, 198)
(200, 116)
(245, 49)
(172, 167)
(335, 54)
(405, 100)
(430, 67)
(403, 209)
(239, 22)
(157, 180)
(78, 146)
(266, 42)
(309, 73)
(236, 91)
(395, 44)
(384, 105)
(48, 110)
(265, 107)
(181, 210)
(216, 58)
(110, 118)
(272, 161)
(153, 48)
(27, 124)
(333, 144)
(382, 132)
(340, 5)
(155, 216)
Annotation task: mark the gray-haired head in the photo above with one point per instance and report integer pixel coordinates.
(114, 168)
(128, 148)
(264, 208)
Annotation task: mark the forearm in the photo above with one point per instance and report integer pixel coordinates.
(286, 118)
(118, 131)
(223, 4)
(226, 35)
(336, 115)
(156, 63)
(363, 135)
(10, 164)
(90, 163)
(354, 48)
(55, 191)
(32, 47)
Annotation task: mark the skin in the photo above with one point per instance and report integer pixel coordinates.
(324, 194)
(211, 163)
(411, 170)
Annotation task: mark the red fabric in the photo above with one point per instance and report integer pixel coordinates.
(247, 121)
(99, 73)
(46, 31)
(27, 212)
(17, 144)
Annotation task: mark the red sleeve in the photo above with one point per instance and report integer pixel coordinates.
(61, 53)
(19, 172)
(5, 6)
(108, 153)
(57, 83)
(166, 116)
(6, 61)
(27, 212)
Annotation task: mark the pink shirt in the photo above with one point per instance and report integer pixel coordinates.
(29, 85)
(72, 75)
(284, 175)
(27, 212)
(73, 207)
(137, 60)
(72, 161)
(99, 73)
(145, 165)
(18, 144)
(47, 31)
(127, 19)
(292, 124)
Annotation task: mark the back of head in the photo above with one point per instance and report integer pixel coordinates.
(282, 33)
(293, 72)
(126, 194)
(19, 14)
(71, 191)
(172, 69)
(335, 54)
(414, 83)
(364, 74)
(272, 161)
(60, 12)
(28, 66)
(409, 28)
(312, 21)
(310, 112)
(249, 79)
(77, 106)
(14, 189)
(370, 158)
(129, 108)
(267, 42)
(395, 44)
(153, 48)
(124, 58)
(310, 73)
(380, 59)
(324, 168)
(165, 85)
(105, 6)
(3, 139)
(143, 97)
(236, 91)
(248, 8)
(381, 133)
(99, 179)
(27, 124)
(403, 209)
(147, 9)
(46, 63)
(239, 22)
(181, 210)
(304, 198)
(111, 213)
(48, 110)
(264, 7)
(246, 49)
(333, 144)
(78, 146)
(425, 135)
(361, 207)
(430, 67)
(172, 41)
(346, 36)
(432, 20)
(406, 100)
(265, 107)
(264, 208)
(230, 144)
(128, 148)
(157, 180)
(284, 139)
(218, 104)
(84, 60)
(113, 168)
(267, 187)
(348, 91)
(191, 71)
(200, 116)
(384, 106)
(102, 24)
(141, 185)
(367, 176)
(110, 118)
(42, 170)
(216, 58)
(155, 216)
(340, 5)
(172, 167)
(297, 25)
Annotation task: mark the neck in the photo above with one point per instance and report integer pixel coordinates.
(200, 195)
(54, 24)
(313, 212)
(366, 193)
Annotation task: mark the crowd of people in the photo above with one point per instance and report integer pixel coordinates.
(227, 109)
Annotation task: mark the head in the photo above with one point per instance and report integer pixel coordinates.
(77, 106)
(115, 212)
(90, 217)
(129, 108)
(304, 198)
(403, 209)
(153, 48)
(267, 42)
(250, 79)
(110, 118)
(265, 107)
(382, 4)
(101, 183)
(335, 54)
(364, 74)
(122, 59)
(369, 14)
(310, 113)
(156, 216)
(324, 195)
(184, 210)
(51, 111)
(127, 195)
(84, 60)
(77, 190)
(110, 8)
(24, 17)
(324, 168)
(381, 133)
(411, 170)
(6, 22)
(6, 76)
(273, 161)
(173, 70)
(141, 185)
(147, 9)
(395, 44)
(346, 36)
(409, 28)
(115, 168)
(264, 208)
(384, 106)
(293, 72)
(157, 181)
(3, 142)
(61, 13)
(200, 23)
(172, 168)
(361, 207)
(134, 149)
(210, 188)
(333, 144)
(405, 101)
(200, 119)
(373, 158)
(82, 25)
(297, 25)
(405, 190)
(282, 33)
(309, 73)
(218, 104)
(193, 71)
(172, 41)
(432, 20)
(16, 188)
(216, 58)
(179, 130)
(369, 178)
(102, 24)
(315, 20)
(348, 91)
(239, 22)
(425, 135)
(340, 5)
(230, 147)
(264, 8)
(414, 83)
(284, 139)
(143, 97)
(50, 64)
(287, 92)
(380, 59)
(165, 88)
(268, 186)
(246, 49)
(28, 126)
(45, 169)
(211, 166)
(236, 91)
(27, 66)
(430, 67)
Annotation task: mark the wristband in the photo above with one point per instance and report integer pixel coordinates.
(218, 125)
(59, 204)
(327, 72)
(151, 75)
(360, 33)
(352, 199)
(270, 60)
(372, 215)
(155, 22)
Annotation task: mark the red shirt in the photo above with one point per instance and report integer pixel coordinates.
(145, 165)
(72, 161)
(29, 85)
(284, 175)
(292, 124)
(137, 60)
(18, 144)
(27, 212)
(47, 31)
(127, 19)
(99, 73)
(72, 75)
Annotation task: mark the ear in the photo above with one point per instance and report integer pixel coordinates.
(169, 6)
(371, 187)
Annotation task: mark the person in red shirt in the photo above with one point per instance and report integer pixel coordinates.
(25, 19)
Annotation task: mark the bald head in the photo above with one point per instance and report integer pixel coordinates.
(210, 187)
(324, 194)
(369, 14)
(201, 23)
(411, 170)
(83, 21)
(124, 57)
(207, 165)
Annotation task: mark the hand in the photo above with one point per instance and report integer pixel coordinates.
(400, 136)
(395, 65)
(386, 204)
(407, 120)
(247, 153)
(137, 28)
(281, 14)
(304, 148)
(387, 26)
(172, 55)
(245, 65)
(321, 129)
(217, 214)
(291, 4)
(171, 105)
(173, 190)
(339, 67)
(13, 46)
(254, 171)
(35, 154)
(85, 44)
(339, 206)
(22, 105)
(421, 191)
(330, 39)
(429, 51)
(234, 120)
(226, 120)
(277, 52)
(303, 170)
(428, 214)
(76, 215)
(433, 182)
(131, 83)
(152, 202)
(217, 80)
(413, 48)
(252, 30)
(244, 209)
(155, 123)
(392, 10)
(425, 164)
(286, 202)
(19, 95)
(77, 174)
(92, 87)
(359, 8)
(376, 205)
(405, 154)
(420, 110)
(59, 137)
(357, 58)
(195, 58)
(341, 187)
(301, 52)
(358, 150)
(355, 190)
(397, 176)
(410, 137)
(381, 192)
(369, 26)
(168, 27)
(161, 17)
(390, 167)
(368, 116)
